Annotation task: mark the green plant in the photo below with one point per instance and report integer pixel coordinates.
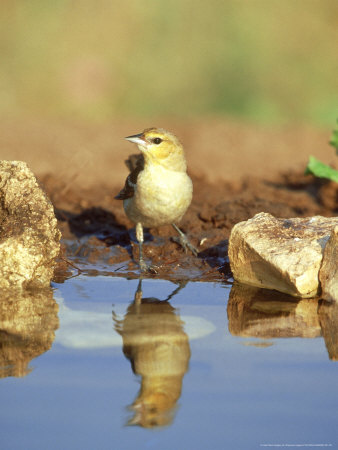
(319, 169)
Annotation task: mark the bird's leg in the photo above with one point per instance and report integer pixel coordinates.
(138, 293)
(184, 242)
(139, 236)
(140, 239)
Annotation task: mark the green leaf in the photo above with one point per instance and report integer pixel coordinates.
(334, 139)
(321, 170)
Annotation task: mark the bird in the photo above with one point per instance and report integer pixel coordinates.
(158, 190)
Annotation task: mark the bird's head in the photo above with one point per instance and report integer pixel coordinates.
(160, 147)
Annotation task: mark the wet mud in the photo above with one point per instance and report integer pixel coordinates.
(98, 236)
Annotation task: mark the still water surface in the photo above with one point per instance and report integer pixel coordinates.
(107, 363)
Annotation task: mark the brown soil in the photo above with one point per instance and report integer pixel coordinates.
(208, 222)
(237, 171)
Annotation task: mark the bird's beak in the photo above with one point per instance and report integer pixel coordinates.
(136, 139)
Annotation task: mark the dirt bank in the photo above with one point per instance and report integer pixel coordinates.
(238, 170)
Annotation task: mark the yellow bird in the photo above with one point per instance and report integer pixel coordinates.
(158, 190)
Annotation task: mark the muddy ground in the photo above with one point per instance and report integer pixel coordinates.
(237, 170)
(97, 222)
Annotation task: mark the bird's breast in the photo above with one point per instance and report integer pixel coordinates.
(161, 197)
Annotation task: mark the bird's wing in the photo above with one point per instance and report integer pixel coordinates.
(135, 164)
(134, 161)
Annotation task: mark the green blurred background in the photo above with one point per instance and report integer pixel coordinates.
(269, 61)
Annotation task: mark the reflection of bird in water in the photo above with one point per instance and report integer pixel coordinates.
(159, 351)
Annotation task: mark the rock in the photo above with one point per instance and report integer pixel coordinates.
(328, 318)
(328, 274)
(27, 329)
(266, 314)
(281, 254)
(29, 237)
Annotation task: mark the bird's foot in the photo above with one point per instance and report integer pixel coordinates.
(150, 268)
(184, 242)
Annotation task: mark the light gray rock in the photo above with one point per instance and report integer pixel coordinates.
(28, 321)
(328, 274)
(281, 254)
(267, 314)
(29, 237)
(328, 318)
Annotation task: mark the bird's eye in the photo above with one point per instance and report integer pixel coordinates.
(157, 140)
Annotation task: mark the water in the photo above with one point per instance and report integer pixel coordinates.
(114, 368)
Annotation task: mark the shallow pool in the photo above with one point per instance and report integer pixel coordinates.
(102, 362)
